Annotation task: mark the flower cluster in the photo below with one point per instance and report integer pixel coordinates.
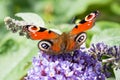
(71, 66)
(111, 56)
(112, 53)
(16, 25)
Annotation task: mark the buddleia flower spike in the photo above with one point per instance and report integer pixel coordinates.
(107, 55)
(76, 66)
(16, 26)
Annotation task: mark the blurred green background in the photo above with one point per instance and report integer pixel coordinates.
(16, 52)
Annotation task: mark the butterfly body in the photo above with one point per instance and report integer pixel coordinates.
(64, 43)
(58, 44)
(54, 43)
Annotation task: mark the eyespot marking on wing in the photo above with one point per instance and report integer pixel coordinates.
(33, 28)
(45, 45)
(90, 17)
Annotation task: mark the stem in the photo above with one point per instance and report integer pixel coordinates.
(109, 60)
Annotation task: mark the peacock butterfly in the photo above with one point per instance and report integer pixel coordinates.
(54, 43)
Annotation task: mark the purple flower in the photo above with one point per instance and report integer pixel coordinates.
(109, 55)
(101, 49)
(78, 65)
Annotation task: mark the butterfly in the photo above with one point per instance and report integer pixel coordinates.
(54, 43)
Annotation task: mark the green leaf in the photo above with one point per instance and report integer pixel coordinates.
(14, 63)
(110, 79)
(62, 27)
(3, 10)
(109, 36)
(102, 25)
(115, 7)
(98, 28)
(32, 18)
(107, 32)
(117, 74)
(71, 8)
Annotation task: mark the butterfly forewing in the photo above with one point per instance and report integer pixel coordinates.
(39, 33)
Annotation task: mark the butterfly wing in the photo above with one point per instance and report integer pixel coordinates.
(85, 24)
(39, 33)
(49, 40)
(77, 34)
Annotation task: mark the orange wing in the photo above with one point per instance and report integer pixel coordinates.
(77, 35)
(38, 33)
(85, 24)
